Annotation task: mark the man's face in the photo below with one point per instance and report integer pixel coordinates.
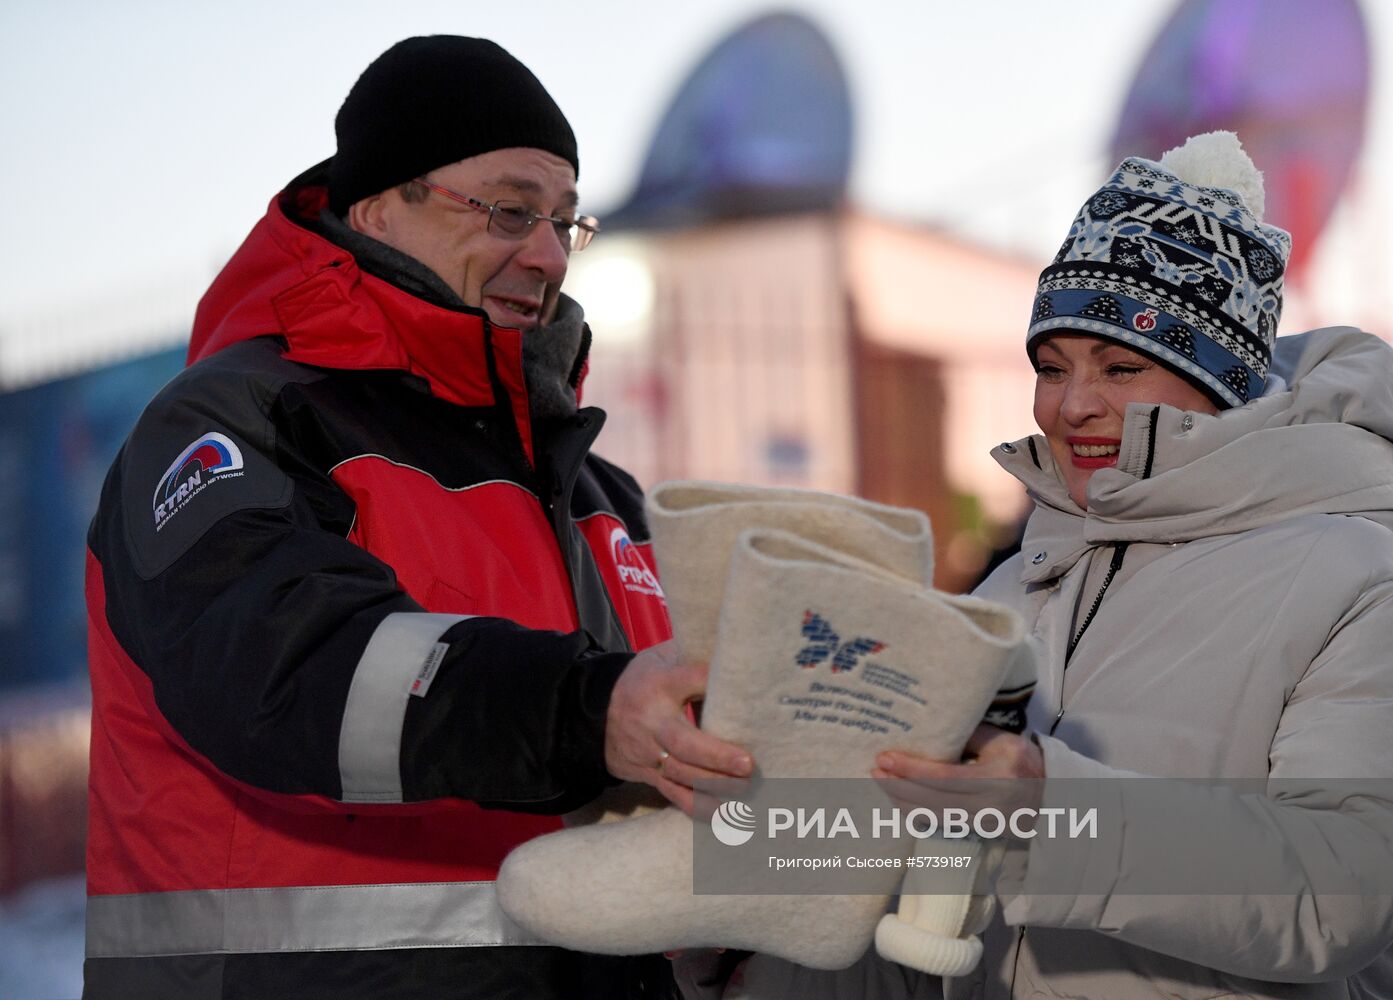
(515, 279)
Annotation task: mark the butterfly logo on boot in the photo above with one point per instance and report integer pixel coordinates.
(823, 641)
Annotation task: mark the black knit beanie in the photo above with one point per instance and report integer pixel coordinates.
(432, 100)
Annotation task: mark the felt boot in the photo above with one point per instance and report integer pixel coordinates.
(942, 909)
(694, 525)
(936, 932)
(933, 662)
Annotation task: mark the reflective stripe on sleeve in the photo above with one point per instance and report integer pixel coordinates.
(370, 740)
(300, 918)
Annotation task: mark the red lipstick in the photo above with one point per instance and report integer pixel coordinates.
(1093, 461)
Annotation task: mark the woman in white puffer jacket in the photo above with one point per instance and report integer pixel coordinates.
(1208, 573)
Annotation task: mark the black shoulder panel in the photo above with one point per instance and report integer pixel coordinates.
(202, 450)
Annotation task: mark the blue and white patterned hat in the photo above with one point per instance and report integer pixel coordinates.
(1172, 259)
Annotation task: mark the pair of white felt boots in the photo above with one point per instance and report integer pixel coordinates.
(764, 585)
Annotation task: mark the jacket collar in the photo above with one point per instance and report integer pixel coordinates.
(1319, 441)
(289, 280)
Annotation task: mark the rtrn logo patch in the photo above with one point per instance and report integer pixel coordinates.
(210, 458)
(633, 572)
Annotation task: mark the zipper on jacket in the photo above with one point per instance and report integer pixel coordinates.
(561, 467)
(1119, 551)
(1015, 962)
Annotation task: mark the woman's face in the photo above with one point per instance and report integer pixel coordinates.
(1082, 387)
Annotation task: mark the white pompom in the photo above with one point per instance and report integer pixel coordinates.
(1217, 160)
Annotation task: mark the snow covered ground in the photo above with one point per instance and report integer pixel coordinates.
(41, 930)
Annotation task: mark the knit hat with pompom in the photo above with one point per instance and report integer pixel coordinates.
(1173, 260)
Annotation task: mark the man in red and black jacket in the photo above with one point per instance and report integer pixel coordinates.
(364, 610)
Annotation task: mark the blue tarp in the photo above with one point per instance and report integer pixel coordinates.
(56, 442)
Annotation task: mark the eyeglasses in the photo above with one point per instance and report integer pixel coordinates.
(514, 221)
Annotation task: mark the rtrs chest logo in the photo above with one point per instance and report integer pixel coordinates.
(634, 573)
(823, 642)
(210, 458)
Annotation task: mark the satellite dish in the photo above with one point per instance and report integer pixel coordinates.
(1291, 77)
(761, 127)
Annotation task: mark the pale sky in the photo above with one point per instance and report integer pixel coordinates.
(141, 139)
